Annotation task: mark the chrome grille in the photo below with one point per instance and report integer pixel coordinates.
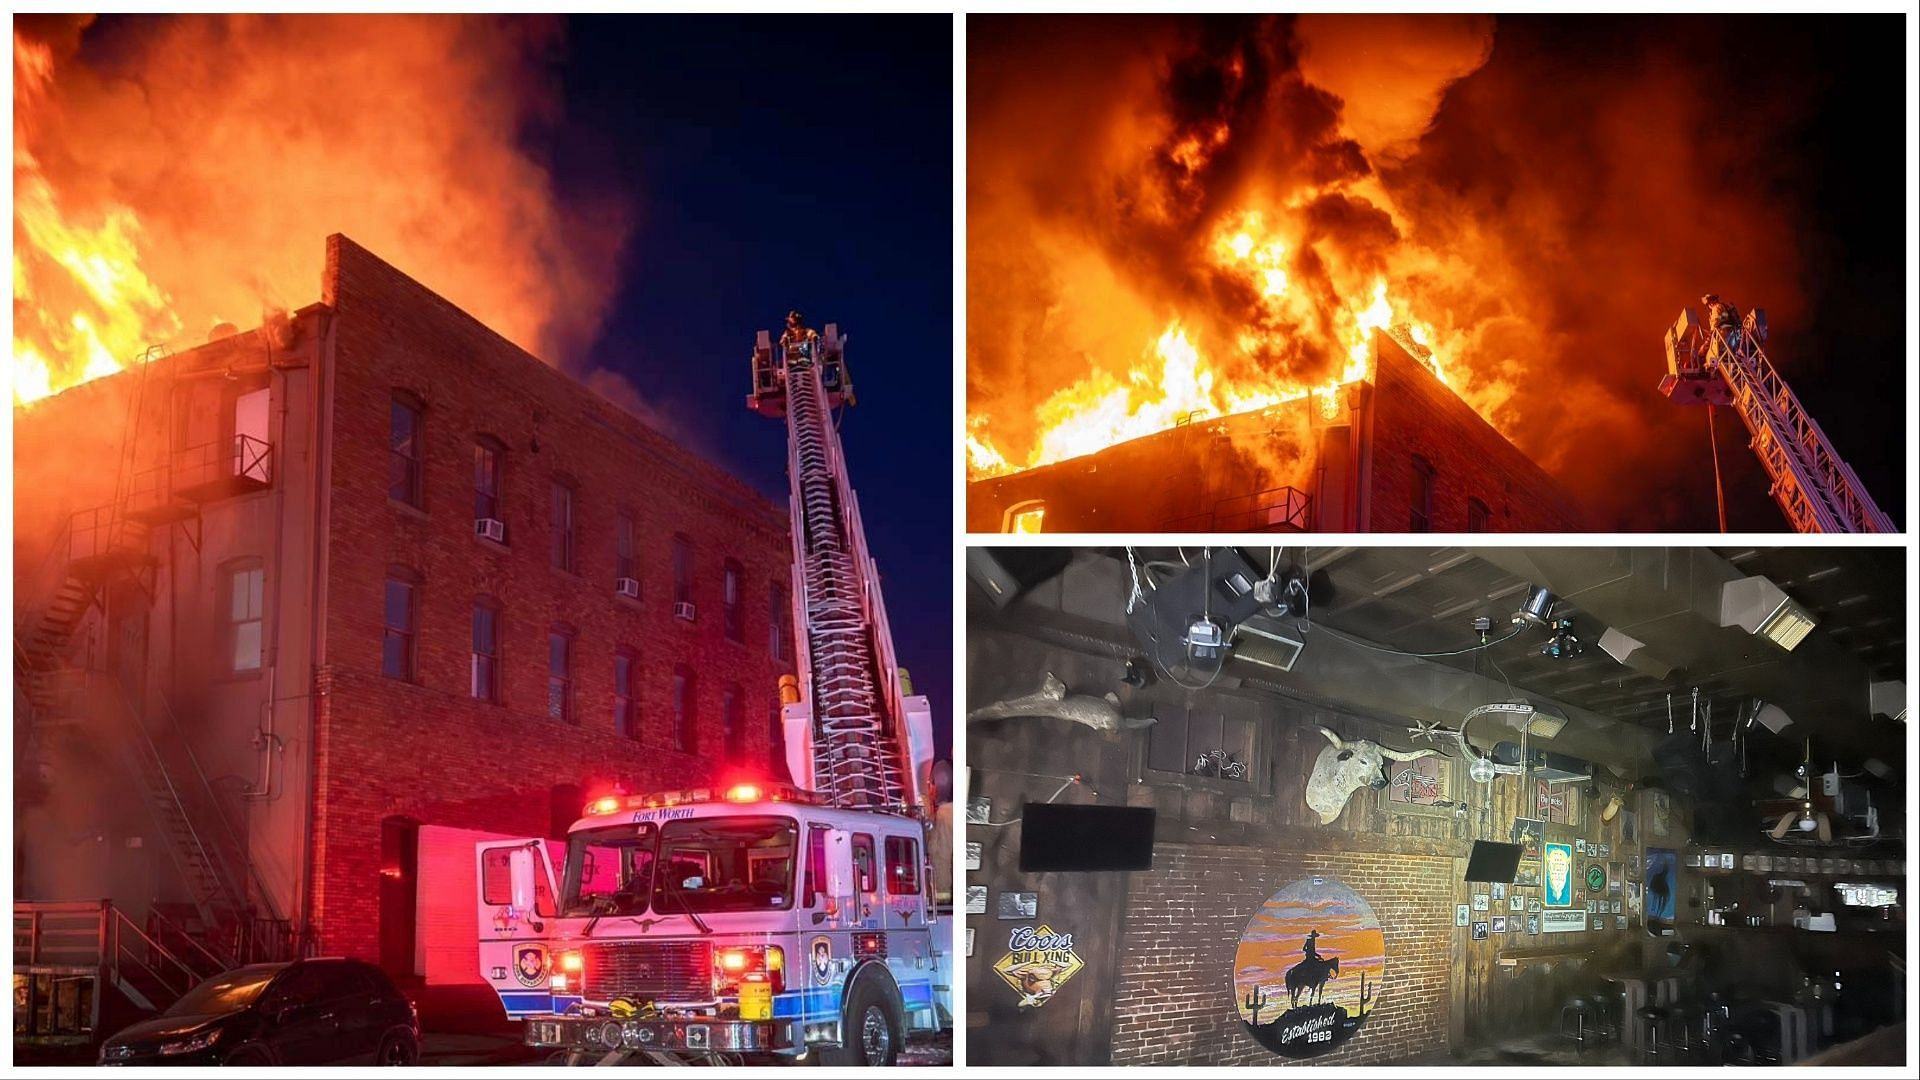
(663, 971)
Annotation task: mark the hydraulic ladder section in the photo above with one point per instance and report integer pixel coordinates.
(1710, 366)
(869, 744)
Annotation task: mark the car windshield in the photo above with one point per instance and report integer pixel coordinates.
(609, 870)
(226, 993)
(725, 864)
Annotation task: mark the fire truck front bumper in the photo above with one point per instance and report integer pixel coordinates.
(593, 1034)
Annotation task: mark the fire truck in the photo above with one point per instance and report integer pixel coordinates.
(753, 922)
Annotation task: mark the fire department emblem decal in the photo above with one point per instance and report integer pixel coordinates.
(821, 951)
(1038, 963)
(530, 964)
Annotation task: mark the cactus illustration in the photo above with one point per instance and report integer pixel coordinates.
(1366, 995)
(1256, 1000)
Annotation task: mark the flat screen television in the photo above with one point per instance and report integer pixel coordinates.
(1493, 861)
(1077, 839)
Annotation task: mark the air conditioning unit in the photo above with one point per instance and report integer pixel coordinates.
(683, 609)
(627, 587)
(490, 529)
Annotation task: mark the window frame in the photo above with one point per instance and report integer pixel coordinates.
(681, 558)
(230, 574)
(911, 886)
(1228, 707)
(626, 697)
(563, 536)
(407, 466)
(1479, 515)
(626, 533)
(776, 622)
(1420, 498)
(733, 615)
(564, 637)
(491, 606)
(733, 722)
(685, 736)
(485, 448)
(405, 578)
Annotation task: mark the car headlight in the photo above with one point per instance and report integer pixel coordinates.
(191, 1043)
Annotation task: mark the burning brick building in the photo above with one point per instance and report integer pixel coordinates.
(1396, 452)
(285, 599)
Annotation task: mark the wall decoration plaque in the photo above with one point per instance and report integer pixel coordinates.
(1038, 962)
(1462, 915)
(1663, 871)
(1309, 966)
(1596, 877)
(1018, 905)
(1499, 924)
(1479, 931)
(1479, 901)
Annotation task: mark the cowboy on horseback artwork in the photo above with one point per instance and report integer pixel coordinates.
(1311, 974)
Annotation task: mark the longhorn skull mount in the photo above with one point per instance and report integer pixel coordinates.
(1346, 767)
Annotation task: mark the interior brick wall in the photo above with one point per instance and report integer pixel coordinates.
(1174, 1001)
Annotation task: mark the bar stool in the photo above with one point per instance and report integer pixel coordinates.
(1652, 1020)
(1577, 1013)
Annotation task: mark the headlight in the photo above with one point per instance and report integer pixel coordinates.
(191, 1043)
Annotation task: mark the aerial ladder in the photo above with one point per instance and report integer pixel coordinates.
(1723, 364)
(855, 732)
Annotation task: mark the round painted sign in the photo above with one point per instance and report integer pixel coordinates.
(1596, 878)
(1309, 968)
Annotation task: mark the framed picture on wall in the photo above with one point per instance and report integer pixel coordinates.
(1479, 931)
(1462, 914)
(1499, 924)
(1558, 865)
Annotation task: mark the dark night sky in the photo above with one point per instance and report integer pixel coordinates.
(777, 163)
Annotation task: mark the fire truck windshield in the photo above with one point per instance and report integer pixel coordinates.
(609, 870)
(725, 864)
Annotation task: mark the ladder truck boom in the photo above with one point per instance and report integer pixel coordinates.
(857, 736)
(1720, 362)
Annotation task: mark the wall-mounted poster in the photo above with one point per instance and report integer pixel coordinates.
(1533, 924)
(976, 899)
(1516, 902)
(1663, 874)
(1661, 806)
(1563, 922)
(1426, 781)
(1527, 873)
(1479, 931)
(1499, 890)
(1558, 864)
(1479, 901)
(1528, 833)
(1308, 968)
(1462, 915)
(1018, 905)
(973, 854)
(1533, 903)
(1616, 882)
(1039, 961)
(1499, 924)
(1557, 804)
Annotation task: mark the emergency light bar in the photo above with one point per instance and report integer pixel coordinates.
(738, 793)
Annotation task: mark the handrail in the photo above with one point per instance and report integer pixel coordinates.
(120, 924)
(219, 963)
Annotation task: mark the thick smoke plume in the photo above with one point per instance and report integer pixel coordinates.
(1538, 208)
(174, 172)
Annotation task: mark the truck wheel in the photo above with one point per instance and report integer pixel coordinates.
(872, 1031)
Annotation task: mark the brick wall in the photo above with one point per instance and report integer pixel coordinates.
(1174, 999)
(1415, 415)
(425, 749)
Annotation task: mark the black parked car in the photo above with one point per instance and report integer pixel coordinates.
(308, 1012)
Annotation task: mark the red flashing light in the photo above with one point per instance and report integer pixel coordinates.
(744, 793)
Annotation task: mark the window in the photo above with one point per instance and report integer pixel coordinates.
(863, 864)
(1476, 515)
(1426, 781)
(685, 736)
(734, 620)
(623, 547)
(396, 649)
(1025, 517)
(560, 674)
(1202, 742)
(404, 459)
(1421, 497)
(486, 479)
(246, 595)
(726, 864)
(777, 622)
(816, 876)
(776, 742)
(560, 526)
(903, 866)
(624, 720)
(496, 881)
(733, 716)
(682, 570)
(486, 650)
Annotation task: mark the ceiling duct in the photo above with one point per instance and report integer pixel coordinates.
(1758, 606)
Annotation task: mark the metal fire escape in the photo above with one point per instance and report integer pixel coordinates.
(867, 740)
(1708, 365)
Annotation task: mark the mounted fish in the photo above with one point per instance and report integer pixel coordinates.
(1052, 700)
(1346, 767)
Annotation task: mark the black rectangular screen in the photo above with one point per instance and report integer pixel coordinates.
(1493, 861)
(1064, 837)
